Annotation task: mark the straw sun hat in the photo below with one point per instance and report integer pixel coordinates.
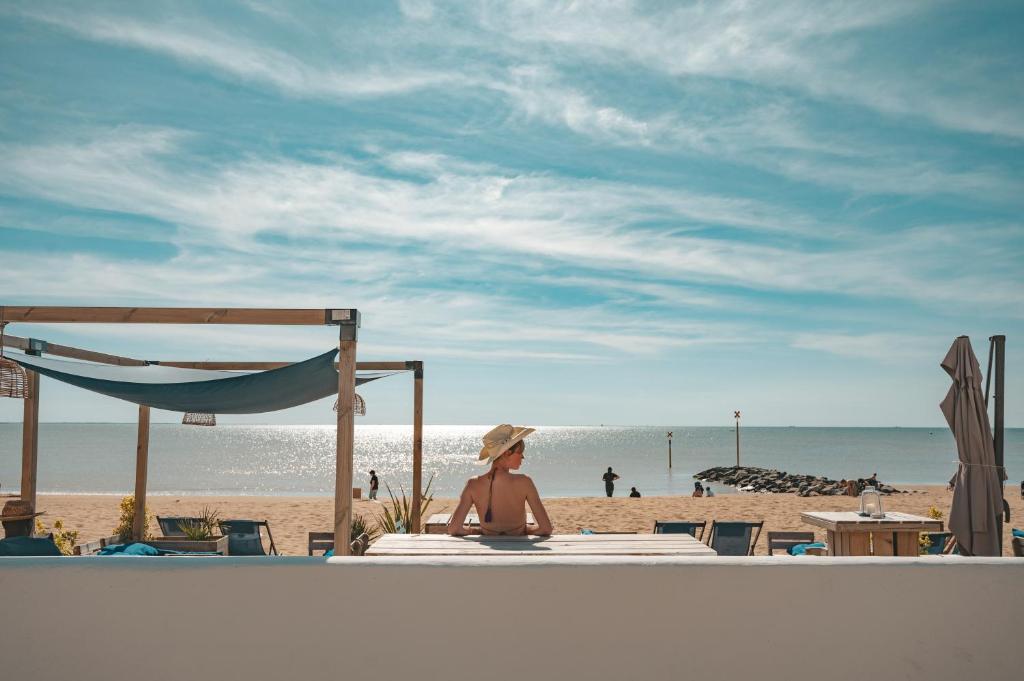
(500, 440)
(17, 509)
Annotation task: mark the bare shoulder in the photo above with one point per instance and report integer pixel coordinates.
(522, 480)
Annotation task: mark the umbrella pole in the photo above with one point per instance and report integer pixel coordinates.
(999, 434)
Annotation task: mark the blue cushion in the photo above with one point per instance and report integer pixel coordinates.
(329, 553)
(1018, 533)
(801, 549)
(128, 550)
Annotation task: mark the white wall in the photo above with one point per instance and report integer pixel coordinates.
(511, 618)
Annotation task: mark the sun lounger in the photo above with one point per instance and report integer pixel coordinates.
(170, 526)
(244, 537)
(734, 538)
(680, 527)
(787, 540)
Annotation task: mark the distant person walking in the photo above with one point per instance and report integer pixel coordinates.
(633, 494)
(609, 481)
(374, 485)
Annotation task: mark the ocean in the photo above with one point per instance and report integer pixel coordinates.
(563, 460)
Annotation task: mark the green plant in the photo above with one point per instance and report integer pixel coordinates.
(203, 527)
(398, 514)
(924, 542)
(360, 526)
(64, 539)
(127, 519)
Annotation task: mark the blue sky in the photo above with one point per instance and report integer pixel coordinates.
(629, 213)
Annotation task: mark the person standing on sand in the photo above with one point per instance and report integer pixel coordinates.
(500, 496)
(609, 481)
(633, 494)
(374, 485)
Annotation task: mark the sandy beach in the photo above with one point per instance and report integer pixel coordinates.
(292, 517)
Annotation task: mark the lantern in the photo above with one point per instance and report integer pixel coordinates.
(871, 503)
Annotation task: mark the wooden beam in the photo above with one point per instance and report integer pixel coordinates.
(104, 358)
(74, 353)
(30, 440)
(141, 472)
(345, 442)
(417, 445)
(170, 315)
(266, 366)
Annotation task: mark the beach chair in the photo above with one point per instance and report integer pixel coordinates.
(938, 540)
(680, 527)
(787, 540)
(734, 538)
(170, 526)
(321, 541)
(244, 537)
(1018, 547)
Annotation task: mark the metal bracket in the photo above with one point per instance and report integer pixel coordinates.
(348, 322)
(35, 346)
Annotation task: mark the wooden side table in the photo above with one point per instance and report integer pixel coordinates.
(850, 534)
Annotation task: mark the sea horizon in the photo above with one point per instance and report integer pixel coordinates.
(564, 461)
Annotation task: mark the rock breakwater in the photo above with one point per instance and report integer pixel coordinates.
(751, 479)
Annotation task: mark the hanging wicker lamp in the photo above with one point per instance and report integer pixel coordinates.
(358, 406)
(198, 419)
(13, 379)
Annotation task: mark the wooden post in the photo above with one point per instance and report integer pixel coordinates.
(30, 440)
(670, 450)
(141, 470)
(346, 436)
(417, 446)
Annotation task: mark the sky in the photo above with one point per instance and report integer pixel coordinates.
(572, 212)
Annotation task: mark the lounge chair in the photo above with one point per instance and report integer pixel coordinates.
(244, 537)
(324, 541)
(680, 527)
(787, 540)
(170, 526)
(734, 538)
(321, 541)
(939, 540)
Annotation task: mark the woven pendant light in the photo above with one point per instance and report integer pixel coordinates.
(13, 379)
(358, 406)
(197, 419)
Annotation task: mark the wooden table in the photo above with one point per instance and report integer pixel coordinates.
(555, 545)
(438, 522)
(850, 534)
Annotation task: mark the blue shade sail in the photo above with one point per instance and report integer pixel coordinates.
(196, 390)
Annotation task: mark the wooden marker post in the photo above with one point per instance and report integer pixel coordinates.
(348, 334)
(737, 439)
(670, 450)
(141, 473)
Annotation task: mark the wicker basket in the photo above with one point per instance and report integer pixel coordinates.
(197, 419)
(358, 406)
(13, 380)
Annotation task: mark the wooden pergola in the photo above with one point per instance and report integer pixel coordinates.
(347, 320)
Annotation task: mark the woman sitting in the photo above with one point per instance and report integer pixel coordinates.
(500, 496)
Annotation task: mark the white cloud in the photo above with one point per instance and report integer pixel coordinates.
(459, 208)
